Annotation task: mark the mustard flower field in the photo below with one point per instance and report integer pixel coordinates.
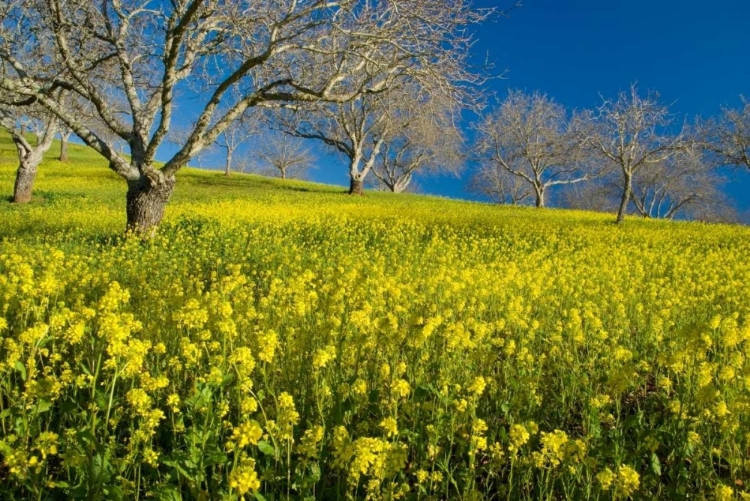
(281, 340)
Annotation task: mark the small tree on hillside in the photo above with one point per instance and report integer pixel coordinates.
(528, 137)
(500, 186)
(684, 185)
(17, 121)
(628, 135)
(600, 195)
(728, 137)
(286, 156)
(233, 137)
(355, 129)
(65, 134)
(420, 137)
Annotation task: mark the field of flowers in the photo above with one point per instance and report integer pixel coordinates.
(280, 340)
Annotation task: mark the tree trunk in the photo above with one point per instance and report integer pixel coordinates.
(539, 196)
(228, 166)
(63, 149)
(626, 193)
(146, 200)
(283, 173)
(25, 176)
(356, 186)
(401, 183)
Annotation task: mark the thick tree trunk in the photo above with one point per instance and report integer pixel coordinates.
(63, 149)
(356, 186)
(539, 197)
(283, 173)
(146, 201)
(25, 176)
(626, 193)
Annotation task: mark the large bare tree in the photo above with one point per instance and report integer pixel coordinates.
(19, 122)
(528, 136)
(629, 134)
(134, 61)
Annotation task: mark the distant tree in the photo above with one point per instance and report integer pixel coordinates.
(135, 61)
(65, 134)
(285, 156)
(233, 137)
(600, 195)
(420, 135)
(18, 121)
(728, 137)
(500, 186)
(528, 136)
(628, 135)
(355, 129)
(683, 185)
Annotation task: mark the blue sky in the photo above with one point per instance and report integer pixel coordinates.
(696, 54)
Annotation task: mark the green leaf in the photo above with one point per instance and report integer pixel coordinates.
(182, 463)
(21, 368)
(102, 399)
(655, 464)
(631, 422)
(43, 405)
(503, 435)
(259, 497)
(266, 448)
(167, 493)
(213, 455)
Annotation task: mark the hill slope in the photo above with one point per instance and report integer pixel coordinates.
(282, 339)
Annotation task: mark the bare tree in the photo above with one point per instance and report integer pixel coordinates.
(600, 195)
(420, 136)
(65, 134)
(684, 184)
(500, 186)
(134, 60)
(355, 129)
(528, 136)
(628, 134)
(728, 137)
(286, 156)
(234, 137)
(17, 121)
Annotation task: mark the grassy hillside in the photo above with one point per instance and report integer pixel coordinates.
(283, 340)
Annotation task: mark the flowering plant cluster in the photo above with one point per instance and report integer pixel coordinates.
(303, 346)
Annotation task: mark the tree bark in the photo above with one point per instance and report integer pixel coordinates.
(146, 200)
(63, 149)
(401, 183)
(626, 193)
(356, 186)
(228, 166)
(539, 196)
(25, 176)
